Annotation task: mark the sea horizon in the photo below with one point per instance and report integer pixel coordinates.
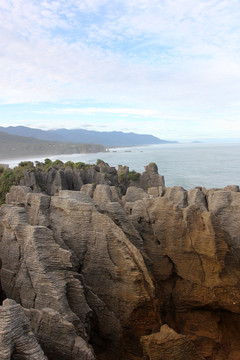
(183, 164)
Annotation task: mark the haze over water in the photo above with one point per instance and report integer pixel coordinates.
(186, 165)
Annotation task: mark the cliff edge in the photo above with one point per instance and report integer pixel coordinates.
(122, 267)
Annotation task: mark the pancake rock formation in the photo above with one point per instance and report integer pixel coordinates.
(167, 344)
(16, 337)
(123, 267)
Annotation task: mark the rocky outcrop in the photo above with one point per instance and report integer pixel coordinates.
(151, 178)
(38, 274)
(111, 267)
(59, 177)
(17, 340)
(78, 275)
(106, 267)
(167, 344)
(192, 240)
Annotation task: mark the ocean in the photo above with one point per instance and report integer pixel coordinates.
(186, 165)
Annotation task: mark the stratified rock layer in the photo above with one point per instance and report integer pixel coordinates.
(37, 273)
(192, 239)
(101, 268)
(16, 337)
(60, 177)
(167, 344)
(80, 277)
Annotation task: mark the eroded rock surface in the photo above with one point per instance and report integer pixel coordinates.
(192, 239)
(83, 268)
(58, 178)
(17, 340)
(167, 344)
(101, 268)
(38, 274)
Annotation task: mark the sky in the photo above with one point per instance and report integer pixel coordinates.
(162, 67)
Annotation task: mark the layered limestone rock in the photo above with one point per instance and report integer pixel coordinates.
(111, 267)
(38, 274)
(107, 265)
(151, 178)
(16, 337)
(80, 277)
(192, 239)
(59, 177)
(167, 344)
(59, 337)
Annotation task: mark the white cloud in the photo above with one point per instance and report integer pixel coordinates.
(98, 110)
(180, 60)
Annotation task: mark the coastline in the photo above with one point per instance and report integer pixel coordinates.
(185, 165)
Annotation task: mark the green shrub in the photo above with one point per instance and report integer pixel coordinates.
(26, 164)
(57, 163)
(121, 177)
(106, 175)
(13, 176)
(38, 164)
(80, 165)
(133, 175)
(7, 179)
(47, 161)
(69, 164)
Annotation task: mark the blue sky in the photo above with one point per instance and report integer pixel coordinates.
(162, 67)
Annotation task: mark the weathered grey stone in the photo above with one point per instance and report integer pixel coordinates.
(111, 266)
(151, 168)
(134, 194)
(38, 273)
(30, 180)
(39, 263)
(88, 273)
(154, 191)
(36, 204)
(16, 337)
(58, 336)
(92, 176)
(88, 189)
(102, 194)
(177, 195)
(115, 194)
(151, 178)
(115, 211)
(169, 345)
(196, 197)
(62, 177)
(226, 206)
(79, 196)
(18, 195)
(109, 172)
(234, 188)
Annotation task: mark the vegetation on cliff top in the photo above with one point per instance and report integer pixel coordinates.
(9, 177)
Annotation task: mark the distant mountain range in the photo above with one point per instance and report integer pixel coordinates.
(81, 136)
(14, 147)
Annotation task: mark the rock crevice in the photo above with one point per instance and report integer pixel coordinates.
(107, 274)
